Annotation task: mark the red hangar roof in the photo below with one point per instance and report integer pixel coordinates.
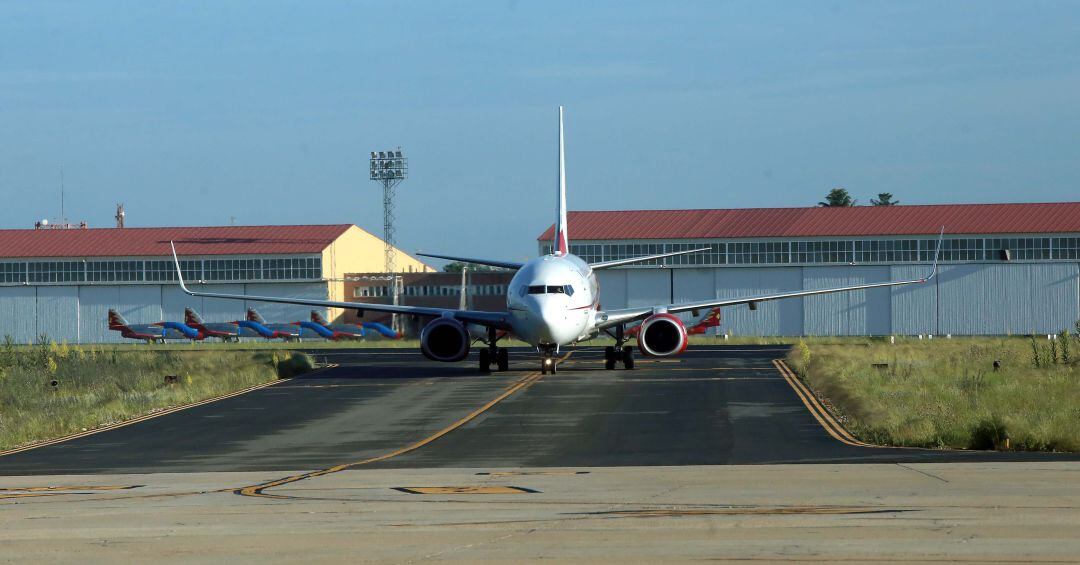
(1063, 217)
(154, 242)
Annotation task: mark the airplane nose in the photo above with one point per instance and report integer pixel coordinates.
(554, 319)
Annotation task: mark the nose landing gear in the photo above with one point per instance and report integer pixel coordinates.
(548, 363)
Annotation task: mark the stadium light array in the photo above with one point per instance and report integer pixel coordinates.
(389, 165)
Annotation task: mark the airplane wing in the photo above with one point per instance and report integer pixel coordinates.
(499, 320)
(595, 266)
(491, 262)
(617, 262)
(613, 318)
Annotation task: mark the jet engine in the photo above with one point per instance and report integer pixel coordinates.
(445, 339)
(662, 335)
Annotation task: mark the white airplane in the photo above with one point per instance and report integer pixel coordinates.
(553, 300)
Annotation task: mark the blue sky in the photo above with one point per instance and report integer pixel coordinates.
(194, 112)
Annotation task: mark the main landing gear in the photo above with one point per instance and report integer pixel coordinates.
(493, 354)
(619, 353)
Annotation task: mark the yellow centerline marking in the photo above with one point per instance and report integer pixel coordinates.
(770, 369)
(482, 489)
(28, 492)
(68, 487)
(816, 409)
(257, 490)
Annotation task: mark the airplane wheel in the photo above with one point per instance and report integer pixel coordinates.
(503, 359)
(628, 357)
(485, 361)
(609, 357)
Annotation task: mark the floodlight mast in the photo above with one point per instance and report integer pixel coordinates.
(389, 168)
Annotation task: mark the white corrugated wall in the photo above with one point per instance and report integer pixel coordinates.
(778, 317)
(80, 313)
(57, 312)
(18, 316)
(965, 299)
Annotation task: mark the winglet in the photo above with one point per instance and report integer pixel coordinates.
(179, 273)
(937, 254)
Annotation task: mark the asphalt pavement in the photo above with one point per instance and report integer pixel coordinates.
(714, 405)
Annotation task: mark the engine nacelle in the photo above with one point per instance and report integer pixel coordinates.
(445, 339)
(662, 335)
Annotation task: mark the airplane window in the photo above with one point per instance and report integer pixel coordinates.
(569, 290)
(555, 290)
(538, 289)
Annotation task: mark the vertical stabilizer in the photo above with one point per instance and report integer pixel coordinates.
(254, 316)
(318, 318)
(561, 245)
(192, 318)
(116, 321)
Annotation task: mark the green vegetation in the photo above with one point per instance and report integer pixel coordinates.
(884, 199)
(292, 365)
(50, 390)
(948, 392)
(837, 198)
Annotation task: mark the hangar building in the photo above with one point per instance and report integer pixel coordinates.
(1005, 268)
(62, 282)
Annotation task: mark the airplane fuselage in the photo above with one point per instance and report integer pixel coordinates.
(553, 301)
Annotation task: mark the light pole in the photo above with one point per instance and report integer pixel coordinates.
(389, 168)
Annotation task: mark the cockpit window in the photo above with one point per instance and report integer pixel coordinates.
(561, 289)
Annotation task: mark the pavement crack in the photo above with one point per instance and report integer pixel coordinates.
(931, 475)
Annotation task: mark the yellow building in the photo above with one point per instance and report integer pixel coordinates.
(356, 250)
(63, 282)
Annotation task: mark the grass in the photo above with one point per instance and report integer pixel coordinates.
(50, 390)
(946, 392)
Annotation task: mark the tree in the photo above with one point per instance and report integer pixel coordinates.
(884, 199)
(837, 198)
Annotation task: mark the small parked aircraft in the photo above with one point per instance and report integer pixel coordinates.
(226, 331)
(353, 331)
(157, 332)
(335, 332)
(255, 322)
